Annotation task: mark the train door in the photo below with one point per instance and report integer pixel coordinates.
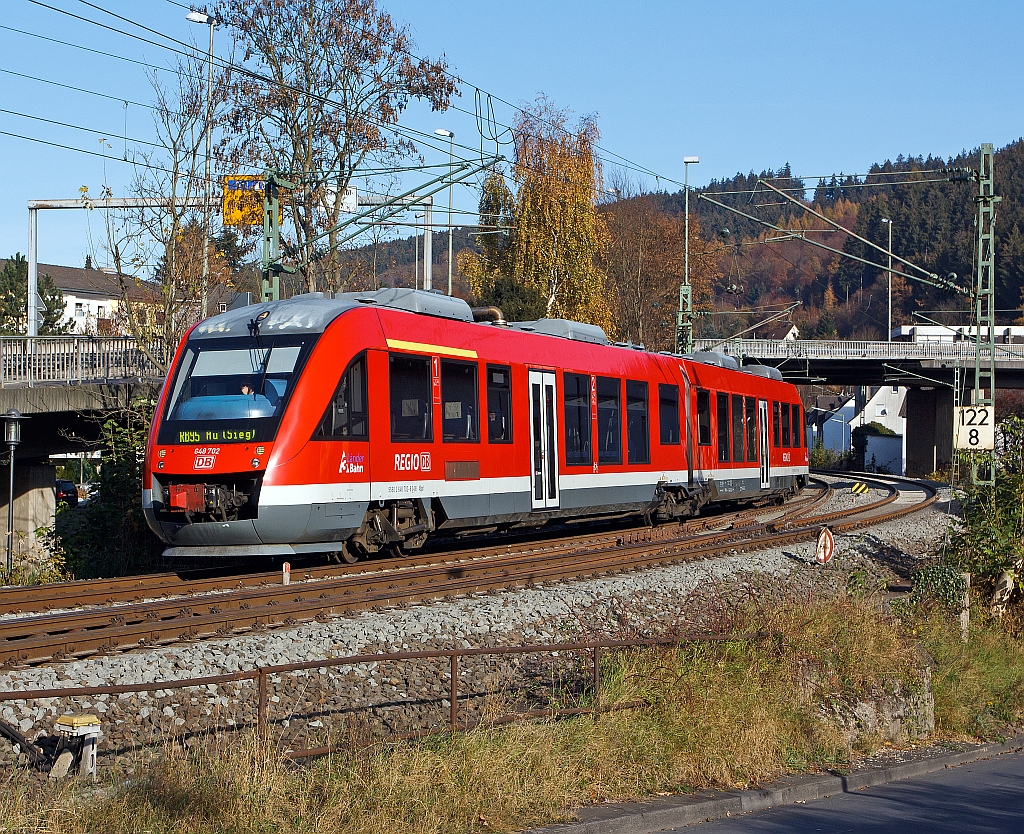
(543, 440)
(762, 425)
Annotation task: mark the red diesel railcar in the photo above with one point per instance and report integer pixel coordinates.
(367, 421)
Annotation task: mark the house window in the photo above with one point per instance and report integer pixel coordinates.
(101, 312)
(223, 307)
(79, 308)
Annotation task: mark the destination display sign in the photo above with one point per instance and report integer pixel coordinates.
(231, 434)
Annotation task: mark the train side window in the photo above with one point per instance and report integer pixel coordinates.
(410, 397)
(668, 414)
(704, 418)
(737, 428)
(775, 425)
(609, 421)
(499, 404)
(750, 418)
(346, 415)
(637, 445)
(576, 414)
(785, 425)
(459, 423)
(798, 429)
(723, 427)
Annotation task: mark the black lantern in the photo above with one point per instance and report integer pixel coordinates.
(12, 437)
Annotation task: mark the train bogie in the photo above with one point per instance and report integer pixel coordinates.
(366, 423)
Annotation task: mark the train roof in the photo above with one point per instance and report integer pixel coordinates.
(314, 312)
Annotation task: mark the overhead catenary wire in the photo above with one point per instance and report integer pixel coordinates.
(458, 80)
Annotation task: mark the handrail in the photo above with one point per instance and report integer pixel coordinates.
(853, 350)
(63, 360)
(260, 674)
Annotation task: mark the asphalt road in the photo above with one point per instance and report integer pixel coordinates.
(985, 796)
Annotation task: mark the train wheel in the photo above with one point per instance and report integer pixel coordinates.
(345, 556)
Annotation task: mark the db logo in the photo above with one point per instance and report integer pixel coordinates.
(204, 462)
(412, 462)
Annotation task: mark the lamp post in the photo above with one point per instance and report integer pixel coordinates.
(687, 161)
(12, 436)
(888, 223)
(205, 19)
(451, 161)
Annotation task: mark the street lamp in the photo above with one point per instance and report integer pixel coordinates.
(206, 20)
(888, 222)
(687, 161)
(451, 161)
(12, 436)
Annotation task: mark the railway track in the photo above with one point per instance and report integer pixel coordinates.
(81, 632)
(82, 593)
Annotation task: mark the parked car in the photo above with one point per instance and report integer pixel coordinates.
(67, 493)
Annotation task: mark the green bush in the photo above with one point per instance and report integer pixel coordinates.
(987, 539)
(108, 535)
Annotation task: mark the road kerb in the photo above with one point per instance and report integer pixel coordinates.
(659, 814)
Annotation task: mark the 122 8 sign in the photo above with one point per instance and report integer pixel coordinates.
(973, 428)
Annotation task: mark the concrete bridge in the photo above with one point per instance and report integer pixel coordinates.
(872, 363)
(926, 369)
(63, 385)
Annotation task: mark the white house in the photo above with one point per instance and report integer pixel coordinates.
(883, 406)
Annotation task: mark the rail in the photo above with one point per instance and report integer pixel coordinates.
(842, 350)
(68, 360)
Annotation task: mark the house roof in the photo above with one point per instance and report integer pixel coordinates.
(73, 280)
(777, 330)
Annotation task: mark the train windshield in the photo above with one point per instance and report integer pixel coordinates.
(231, 390)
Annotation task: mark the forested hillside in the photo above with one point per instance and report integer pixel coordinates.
(745, 268)
(933, 225)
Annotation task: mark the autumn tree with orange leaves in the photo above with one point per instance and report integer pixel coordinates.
(644, 265)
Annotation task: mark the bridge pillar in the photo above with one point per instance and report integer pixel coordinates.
(929, 434)
(34, 504)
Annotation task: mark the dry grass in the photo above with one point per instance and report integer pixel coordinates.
(719, 716)
(978, 686)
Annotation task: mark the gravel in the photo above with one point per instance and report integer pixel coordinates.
(370, 700)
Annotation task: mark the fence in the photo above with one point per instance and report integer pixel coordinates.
(64, 360)
(261, 675)
(895, 351)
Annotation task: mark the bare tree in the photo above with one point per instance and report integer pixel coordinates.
(164, 237)
(320, 91)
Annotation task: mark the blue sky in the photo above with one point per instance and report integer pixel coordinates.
(828, 87)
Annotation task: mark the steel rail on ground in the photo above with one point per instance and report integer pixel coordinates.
(149, 624)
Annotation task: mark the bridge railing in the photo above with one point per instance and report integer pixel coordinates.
(63, 360)
(813, 349)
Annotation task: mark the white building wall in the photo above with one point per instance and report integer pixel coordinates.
(84, 312)
(835, 432)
